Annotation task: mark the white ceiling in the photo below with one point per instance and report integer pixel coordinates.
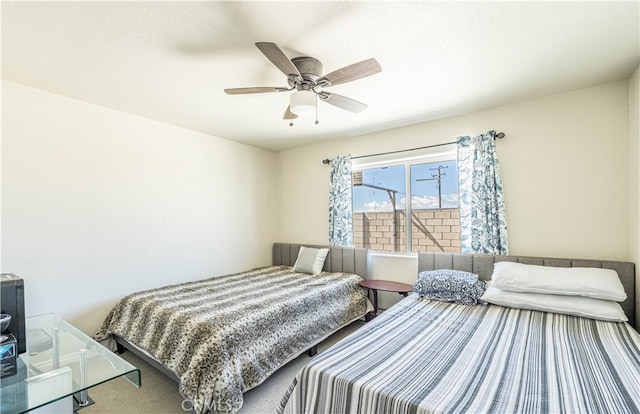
(170, 61)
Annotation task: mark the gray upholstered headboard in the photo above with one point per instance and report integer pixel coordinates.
(340, 259)
(482, 265)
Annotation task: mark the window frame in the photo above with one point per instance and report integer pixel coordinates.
(429, 155)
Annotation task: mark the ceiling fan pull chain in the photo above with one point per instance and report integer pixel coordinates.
(317, 122)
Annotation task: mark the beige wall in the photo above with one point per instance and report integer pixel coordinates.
(565, 168)
(97, 204)
(634, 181)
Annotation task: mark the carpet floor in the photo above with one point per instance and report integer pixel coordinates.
(159, 394)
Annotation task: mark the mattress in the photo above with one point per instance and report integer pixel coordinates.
(425, 356)
(225, 335)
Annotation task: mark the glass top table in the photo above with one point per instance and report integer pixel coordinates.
(60, 361)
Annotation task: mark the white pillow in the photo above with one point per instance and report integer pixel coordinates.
(310, 260)
(605, 310)
(589, 282)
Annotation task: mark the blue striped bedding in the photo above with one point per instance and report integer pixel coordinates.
(425, 356)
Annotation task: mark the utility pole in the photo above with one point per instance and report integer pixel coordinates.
(437, 177)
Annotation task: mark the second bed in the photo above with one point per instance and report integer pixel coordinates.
(427, 356)
(222, 336)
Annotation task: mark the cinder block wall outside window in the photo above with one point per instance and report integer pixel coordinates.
(431, 230)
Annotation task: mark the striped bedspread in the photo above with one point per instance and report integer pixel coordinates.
(225, 335)
(425, 356)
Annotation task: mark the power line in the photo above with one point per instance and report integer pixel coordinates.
(438, 178)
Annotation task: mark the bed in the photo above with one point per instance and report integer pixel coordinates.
(220, 337)
(428, 356)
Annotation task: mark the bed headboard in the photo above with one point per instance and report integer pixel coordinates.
(340, 259)
(482, 265)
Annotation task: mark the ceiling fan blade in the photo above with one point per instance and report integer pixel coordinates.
(288, 114)
(257, 89)
(350, 73)
(342, 102)
(278, 58)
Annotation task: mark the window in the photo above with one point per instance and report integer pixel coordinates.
(383, 220)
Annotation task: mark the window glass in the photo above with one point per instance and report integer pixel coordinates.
(384, 221)
(434, 185)
(379, 203)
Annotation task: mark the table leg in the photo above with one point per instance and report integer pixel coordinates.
(82, 399)
(83, 377)
(369, 316)
(55, 348)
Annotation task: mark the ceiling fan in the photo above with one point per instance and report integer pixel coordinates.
(304, 74)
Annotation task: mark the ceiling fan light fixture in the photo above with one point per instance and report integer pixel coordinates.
(303, 102)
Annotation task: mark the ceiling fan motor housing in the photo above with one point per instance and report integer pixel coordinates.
(310, 69)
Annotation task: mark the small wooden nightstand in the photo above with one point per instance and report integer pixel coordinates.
(384, 285)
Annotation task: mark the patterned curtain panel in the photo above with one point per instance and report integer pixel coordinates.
(340, 215)
(483, 225)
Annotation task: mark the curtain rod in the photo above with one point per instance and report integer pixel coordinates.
(327, 161)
